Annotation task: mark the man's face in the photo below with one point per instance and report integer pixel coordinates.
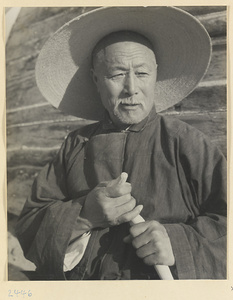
(125, 74)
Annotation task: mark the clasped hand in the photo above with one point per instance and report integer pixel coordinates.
(152, 243)
(110, 203)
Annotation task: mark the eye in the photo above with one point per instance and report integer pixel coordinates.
(117, 76)
(141, 74)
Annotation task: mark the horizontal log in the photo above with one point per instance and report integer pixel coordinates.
(23, 94)
(211, 124)
(217, 67)
(33, 157)
(41, 135)
(203, 99)
(24, 172)
(215, 23)
(202, 10)
(40, 113)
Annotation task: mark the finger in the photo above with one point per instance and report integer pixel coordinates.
(158, 258)
(118, 186)
(125, 208)
(123, 200)
(127, 217)
(145, 250)
(141, 240)
(118, 190)
(103, 184)
(138, 229)
(152, 260)
(119, 180)
(149, 226)
(127, 239)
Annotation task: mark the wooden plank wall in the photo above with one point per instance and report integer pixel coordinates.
(35, 130)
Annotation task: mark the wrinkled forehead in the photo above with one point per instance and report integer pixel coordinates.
(117, 37)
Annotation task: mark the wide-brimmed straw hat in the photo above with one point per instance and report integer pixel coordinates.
(181, 44)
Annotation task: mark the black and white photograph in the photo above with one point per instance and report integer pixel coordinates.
(116, 132)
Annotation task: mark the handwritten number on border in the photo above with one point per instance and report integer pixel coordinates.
(19, 293)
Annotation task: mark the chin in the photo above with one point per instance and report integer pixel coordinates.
(129, 119)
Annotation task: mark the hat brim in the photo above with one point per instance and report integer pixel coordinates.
(182, 47)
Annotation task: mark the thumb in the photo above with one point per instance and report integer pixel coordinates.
(119, 180)
(118, 187)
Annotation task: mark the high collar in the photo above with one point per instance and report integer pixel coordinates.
(108, 125)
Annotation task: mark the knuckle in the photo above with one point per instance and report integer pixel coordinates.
(123, 219)
(155, 235)
(102, 184)
(132, 200)
(153, 225)
(132, 231)
(128, 197)
(162, 256)
(130, 205)
(124, 188)
(118, 189)
(158, 245)
(134, 243)
(128, 187)
(105, 211)
(139, 253)
(99, 194)
(116, 222)
(148, 261)
(145, 260)
(154, 244)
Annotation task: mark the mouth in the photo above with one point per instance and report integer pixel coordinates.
(129, 106)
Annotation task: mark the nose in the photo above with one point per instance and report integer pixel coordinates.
(130, 87)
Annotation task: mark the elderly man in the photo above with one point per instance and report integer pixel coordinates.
(79, 222)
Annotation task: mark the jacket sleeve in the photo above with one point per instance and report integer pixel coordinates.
(199, 245)
(50, 218)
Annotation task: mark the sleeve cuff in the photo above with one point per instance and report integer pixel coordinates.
(80, 225)
(182, 251)
(75, 252)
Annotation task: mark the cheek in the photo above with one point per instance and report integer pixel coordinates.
(109, 94)
(149, 89)
(112, 90)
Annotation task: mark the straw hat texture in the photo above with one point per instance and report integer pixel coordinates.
(182, 47)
